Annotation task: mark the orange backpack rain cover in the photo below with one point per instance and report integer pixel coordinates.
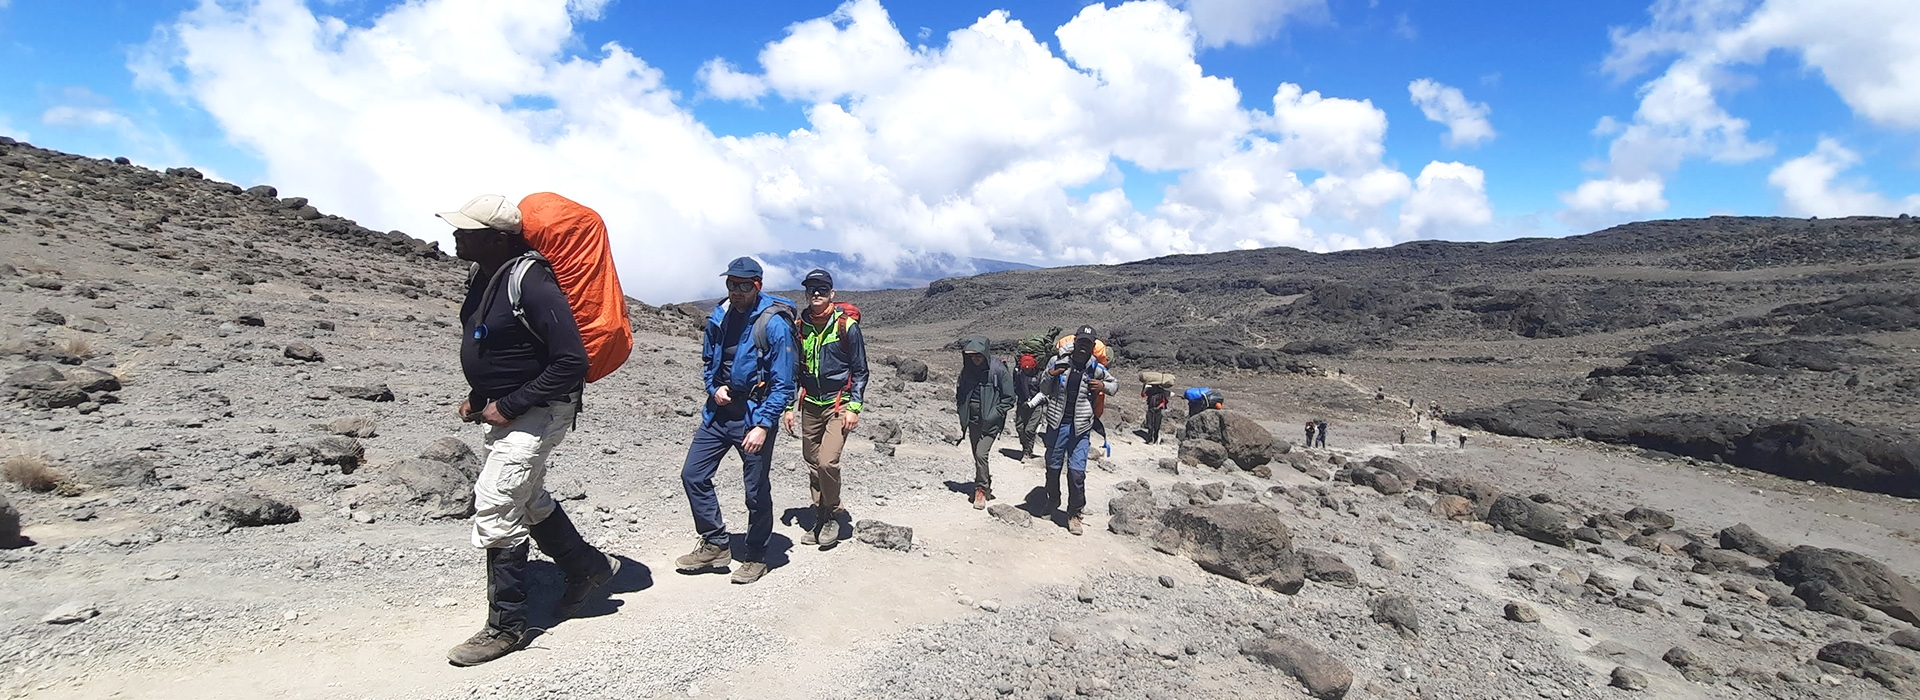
(574, 239)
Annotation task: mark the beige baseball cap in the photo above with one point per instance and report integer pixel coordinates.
(485, 211)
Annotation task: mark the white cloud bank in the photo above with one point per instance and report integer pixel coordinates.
(1466, 121)
(1810, 186)
(984, 146)
(1249, 22)
(1868, 51)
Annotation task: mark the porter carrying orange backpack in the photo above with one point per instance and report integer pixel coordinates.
(572, 239)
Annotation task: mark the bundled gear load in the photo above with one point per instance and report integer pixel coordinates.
(1202, 398)
(1159, 379)
(572, 239)
(1035, 349)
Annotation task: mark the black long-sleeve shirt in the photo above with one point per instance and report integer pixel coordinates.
(506, 364)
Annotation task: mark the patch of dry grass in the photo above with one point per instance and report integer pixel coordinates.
(30, 471)
(77, 346)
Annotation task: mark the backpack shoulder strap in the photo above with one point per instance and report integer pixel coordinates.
(777, 308)
(519, 267)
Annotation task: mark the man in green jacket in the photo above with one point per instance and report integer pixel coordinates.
(984, 395)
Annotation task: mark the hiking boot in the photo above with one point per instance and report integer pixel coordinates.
(749, 572)
(706, 557)
(979, 498)
(813, 535)
(578, 590)
(1074, 526)
(829, 532)
(486, 645)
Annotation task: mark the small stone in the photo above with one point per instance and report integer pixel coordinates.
(250, 319)
(1085, 595)
(162, 575)
(71, 612)
(992, 606)
(1628, 679)
(1010, 515)
(1521, 612)
(1166, 581)
(363, 517)
(49, 317)
(445, 603)
(302, 352)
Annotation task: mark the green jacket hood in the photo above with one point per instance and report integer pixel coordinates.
(977, 344)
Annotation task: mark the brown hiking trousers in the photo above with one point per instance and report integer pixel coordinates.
(822, 437)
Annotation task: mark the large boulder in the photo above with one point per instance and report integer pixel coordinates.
(1856, 576)
(1134, 513)
(1246, 442)
(1830, 452)
(1535, 521)
(1322, 674)
(1400, 470)
(1205, 452)
(1549, 420)
(454, 452)
(1742, 538)
(114, 468)
(437, 489)
(9, 524)
(252, 510)
(1481, 495)
(1242, 541)
(911, 370)
(1891, 670)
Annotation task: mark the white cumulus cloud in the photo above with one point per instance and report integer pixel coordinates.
(1598, 203)
(988, 144)
(1868, 51)
(1466, 121)
(1811, 186)
(1248, 22)
(1447, 198)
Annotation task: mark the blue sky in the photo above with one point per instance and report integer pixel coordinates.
(1793, 122)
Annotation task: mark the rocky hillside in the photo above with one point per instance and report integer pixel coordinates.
(232, 470)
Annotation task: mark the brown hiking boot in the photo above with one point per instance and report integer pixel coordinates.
(828, 534)
(578, 590)
(1074, 526)
(979, 498)
(749, 572)
(486, 645)
(706, 557)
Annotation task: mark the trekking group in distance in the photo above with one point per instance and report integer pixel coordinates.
(543, 315)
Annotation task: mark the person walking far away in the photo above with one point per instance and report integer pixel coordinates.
(1403, 436)
(1433, 436)
(1026, 419)
(1320, 433)
(982, 396)
(1072, 380)
(524, 377)
(1463, 440)
(832, 381)
(1309, 442)
(748, 366)
(1157, 397)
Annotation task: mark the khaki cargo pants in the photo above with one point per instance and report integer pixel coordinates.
(823, 436)
(511, 493)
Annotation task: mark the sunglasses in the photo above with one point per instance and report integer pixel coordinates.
(819, 292)
(740, 286)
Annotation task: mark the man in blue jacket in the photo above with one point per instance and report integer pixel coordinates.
(748, 366)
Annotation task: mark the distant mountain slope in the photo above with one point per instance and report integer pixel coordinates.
(855, 272)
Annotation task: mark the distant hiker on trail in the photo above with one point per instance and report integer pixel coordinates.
(524, 377)
(1463, 440)
(1072, 381)
(1380, 394)
(1403, 436)
(1026, 419)
(833, 379)
(748, 361)
(982, 395)
(1309, 442)
(1157, 397)
(1320, 433)
(1433, 436)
